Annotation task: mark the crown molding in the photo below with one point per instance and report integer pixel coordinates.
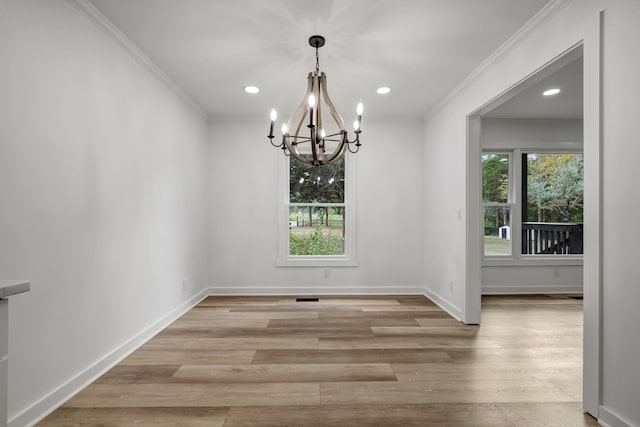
(546, 13)
(101, 21)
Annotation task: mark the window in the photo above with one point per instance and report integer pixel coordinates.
(532, 203)
(316, 209)
(317, 228)
(496, 199)
(552, 211)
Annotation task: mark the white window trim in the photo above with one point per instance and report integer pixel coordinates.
(515, 187)
(350, 258)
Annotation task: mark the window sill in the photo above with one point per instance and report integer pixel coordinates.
(317, 262)
(529, 261)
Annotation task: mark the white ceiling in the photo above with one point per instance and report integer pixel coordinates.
(420, 48)
(531, 104)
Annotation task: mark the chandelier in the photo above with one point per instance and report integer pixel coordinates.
(319, 142)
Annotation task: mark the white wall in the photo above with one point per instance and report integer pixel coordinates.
(244, 212)
(525, 275)
(103, 188)
(531, 279)
(527, 134)
(445, 138)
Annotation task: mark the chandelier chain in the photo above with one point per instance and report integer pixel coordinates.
(317, 60)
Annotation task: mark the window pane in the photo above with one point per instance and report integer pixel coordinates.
(553, 208)
(316, 230)
(316, 184)
(497, 230)
(495, 178)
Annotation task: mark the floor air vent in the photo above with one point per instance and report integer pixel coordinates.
(306, 299)
(576, 297)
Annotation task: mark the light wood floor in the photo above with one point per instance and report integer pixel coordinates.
(347, 361)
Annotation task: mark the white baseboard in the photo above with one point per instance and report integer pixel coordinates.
(43, 407)
(314, 290)
(443, 304)
(608, 419)
(502, 290)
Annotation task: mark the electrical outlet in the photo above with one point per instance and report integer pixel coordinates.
(327, 273)
(184, 284)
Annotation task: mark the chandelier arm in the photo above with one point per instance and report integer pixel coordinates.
(336, 116)
(339, 151)
(276, 145)
(356, 142)
(293, 151)
(353, 151)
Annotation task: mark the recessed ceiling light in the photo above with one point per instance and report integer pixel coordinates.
(551, 92)
(251, 89)
(383, 90)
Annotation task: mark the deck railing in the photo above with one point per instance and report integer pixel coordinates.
(551, 238)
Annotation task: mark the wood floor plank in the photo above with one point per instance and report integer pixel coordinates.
(347, 300)
(195, 395)
(351, 356)
(284, 373)
(127, 417)
(242, 301)
(402, 307)
(205, 314)
(405, 342)
(230, 343)
(550, 341)
(571, 386)
(391, 315)
(487, 371)
(219, 332)
(522, 355)
(188, 357)
(223, 323)
(460, 415)
(288, 307)
(338, 322)
(425, 331)
(129, 374)
(453, 391)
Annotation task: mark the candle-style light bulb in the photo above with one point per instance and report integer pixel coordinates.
(322, 133)
(274, 115)
(356, 125)
(359, 108)
(312, 103)
(285, 129)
